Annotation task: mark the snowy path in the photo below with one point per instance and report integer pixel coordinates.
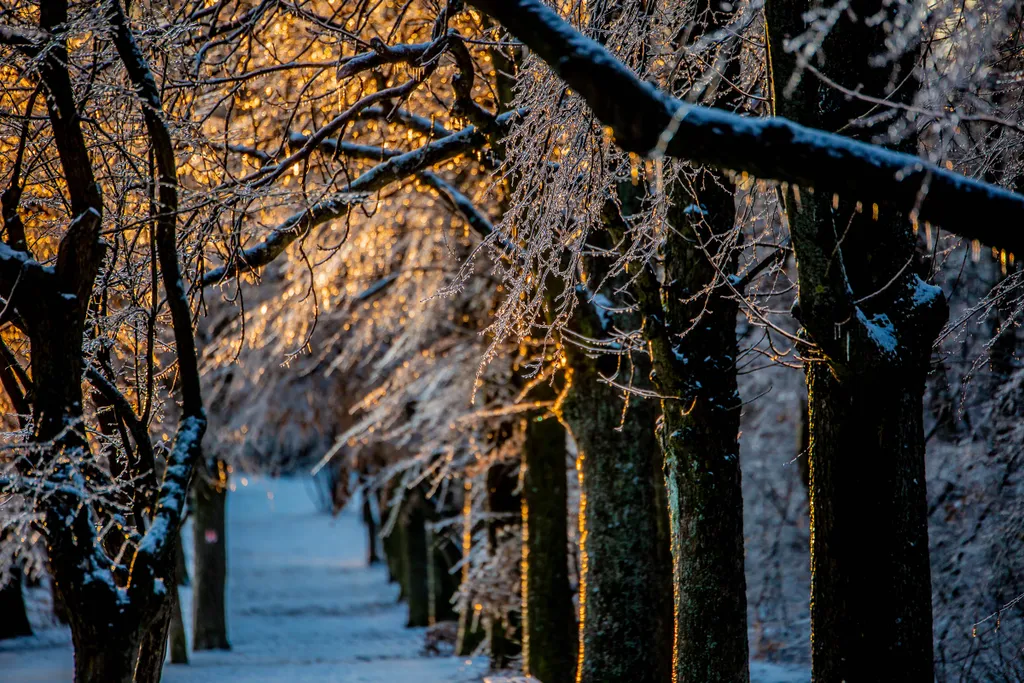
(303, 607)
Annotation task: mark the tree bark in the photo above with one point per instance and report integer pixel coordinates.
(870, 581)
(550, 634)
(872, 321)
(209, 621)
(441, 585)
(179, 643)
(413, 517)
(103, 655)
(372, 556)
(626, 629)
(469, 635)
(149, 666)
(503, 503)
(14, 622)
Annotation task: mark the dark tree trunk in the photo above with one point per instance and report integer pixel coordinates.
(504, 504)
(469, 635)
(149, 666)
(625, 585)
(179, 644)
(413, 518)
(873, 322)
(181, 568)
(209, 621)
(104, 655)
(372, 556)
(803, 444)
(442, 556)
(14, 622)
(870, 582)
(550, 634)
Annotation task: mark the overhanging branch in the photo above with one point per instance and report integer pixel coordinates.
(641, 116)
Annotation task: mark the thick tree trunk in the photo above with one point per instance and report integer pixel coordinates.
(873, 322)
(550, 634)
(870, 581)
(104, 656)
(209, 621)
(702, 472)
(14, 622)
(413, 517)
(625, 585)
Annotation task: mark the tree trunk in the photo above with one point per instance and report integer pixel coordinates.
(626, 629)
(443, 555)
(870, 581)
(550, 634)
(413, 517)
(469, 635)
(104, 657)
(372, 556)
(179, 644)
(209, 622)
(873, 322)
(153, 650)
(504, 504)
(14, 622)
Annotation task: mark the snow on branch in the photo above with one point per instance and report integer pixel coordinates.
(647, 121)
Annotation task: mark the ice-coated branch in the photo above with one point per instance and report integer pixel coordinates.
(152, 557)
(339, 204)
(640, 116)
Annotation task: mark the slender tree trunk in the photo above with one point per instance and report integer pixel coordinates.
(372, 556)
(469, 635)
(441, 584)
(179, 644)
(626, 629)
(504, 504)
(550, 634)
(209, 621)
(181, 570)
(14, 622)
(413, 517)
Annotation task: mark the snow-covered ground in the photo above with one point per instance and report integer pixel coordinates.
(303, 607)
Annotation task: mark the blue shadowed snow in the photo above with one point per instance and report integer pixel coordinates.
(303, 607)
